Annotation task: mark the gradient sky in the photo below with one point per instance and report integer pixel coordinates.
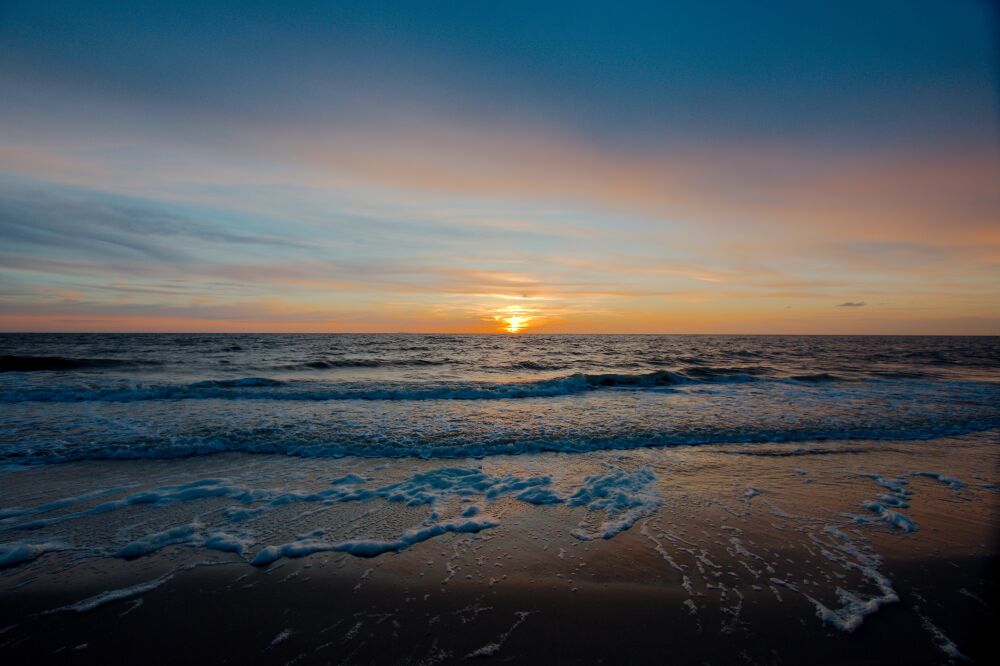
(780, 167)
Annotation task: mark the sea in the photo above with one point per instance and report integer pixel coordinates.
(417, 498)
(66, 397)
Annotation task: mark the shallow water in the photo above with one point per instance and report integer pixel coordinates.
(73, 396)
(714, 551)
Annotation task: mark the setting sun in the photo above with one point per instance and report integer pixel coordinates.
(514, 318)
(516, 323)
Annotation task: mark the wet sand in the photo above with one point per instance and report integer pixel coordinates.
(730, 555)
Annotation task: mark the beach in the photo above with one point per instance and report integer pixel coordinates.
(331, 499)
(759, 553)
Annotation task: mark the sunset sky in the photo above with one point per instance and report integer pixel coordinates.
(669, 167)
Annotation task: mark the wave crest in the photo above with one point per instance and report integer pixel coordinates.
(264, 388)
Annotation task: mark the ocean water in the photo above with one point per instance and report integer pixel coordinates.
(99, 396)
(688, 466)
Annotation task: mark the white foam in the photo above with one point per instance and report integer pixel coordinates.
(116, 595)
(162, 496)
(624, 496)
(897, 485)
(951, 482)
(19, 552)
(854, 607)
(832, 529)
(943, 643)
(283, 636)
(348, 478)
(93, 602)
(430, 487)
(490, 649)
(892, 518)
(228, 543)
(370, 548)
(885, 508)
(540, 496)
(17, 512)
(151, 543)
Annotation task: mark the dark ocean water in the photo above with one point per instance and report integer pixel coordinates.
(78, 396)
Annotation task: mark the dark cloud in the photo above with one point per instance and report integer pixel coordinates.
(851, 304)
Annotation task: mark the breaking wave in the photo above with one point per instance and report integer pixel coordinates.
(264, 388)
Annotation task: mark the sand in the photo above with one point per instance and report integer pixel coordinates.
(767, 553)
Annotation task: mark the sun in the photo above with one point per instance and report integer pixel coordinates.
(515, 323)
(513, 318)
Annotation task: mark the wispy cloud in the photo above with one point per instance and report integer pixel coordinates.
(102, 224)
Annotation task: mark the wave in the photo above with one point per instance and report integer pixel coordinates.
(50, 363)
(264, 388)
(802, 440)
(646, 379)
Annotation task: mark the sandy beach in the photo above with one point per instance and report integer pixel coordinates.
(817, 552)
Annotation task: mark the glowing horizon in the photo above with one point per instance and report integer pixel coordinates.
(477, 169)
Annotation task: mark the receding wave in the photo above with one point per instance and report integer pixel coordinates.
(50, 363)
(808, 441)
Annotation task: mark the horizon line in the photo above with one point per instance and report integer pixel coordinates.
(506, 334)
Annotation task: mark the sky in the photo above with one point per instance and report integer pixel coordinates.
(578, 167)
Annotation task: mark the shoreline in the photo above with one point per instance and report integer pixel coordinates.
(722, 554)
